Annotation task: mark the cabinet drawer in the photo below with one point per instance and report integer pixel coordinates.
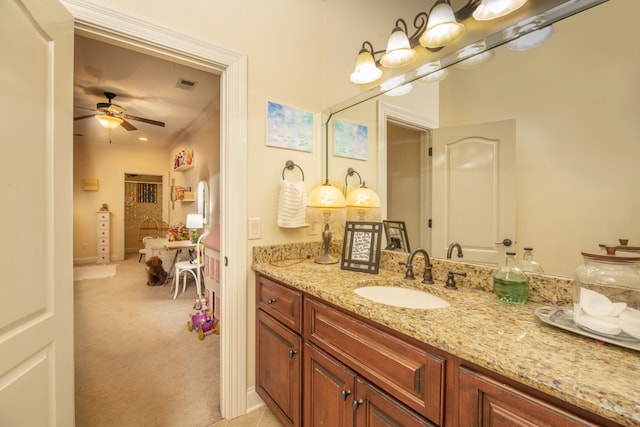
(103, 241)
(102, 225)
(104, 257)
(103, 216)
(103, 250)
(282, 303)
(410, 374)
(103, 232)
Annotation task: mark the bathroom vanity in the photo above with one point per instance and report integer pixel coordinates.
(326, 356)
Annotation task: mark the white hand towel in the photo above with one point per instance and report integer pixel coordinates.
(292, 205)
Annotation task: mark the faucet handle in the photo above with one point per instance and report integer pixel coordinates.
(451, 283)
(427, 277)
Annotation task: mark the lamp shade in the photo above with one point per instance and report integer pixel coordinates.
(399, 52)
(363, 197)
(366, 70)
(531, 40)
(109, 122)
(442, 26)
(492, 9)
(326, 196)
(194, 221)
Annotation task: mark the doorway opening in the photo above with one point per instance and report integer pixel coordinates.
(142, 200)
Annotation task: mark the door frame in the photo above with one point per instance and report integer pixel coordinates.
(401, 117)
(103, 23)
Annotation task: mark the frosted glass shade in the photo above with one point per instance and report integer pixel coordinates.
(442, 27)
(109, 122)
(399, 51)
(531, 40)
(493, 9)
(326, 196)
(366, 70)
(363, 197)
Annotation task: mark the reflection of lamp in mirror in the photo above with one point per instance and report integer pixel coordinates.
(363, 204)
(474, 55)
(326, 204)
(194, 222)
(531, 40)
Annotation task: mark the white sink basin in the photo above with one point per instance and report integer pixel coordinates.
(401, 297)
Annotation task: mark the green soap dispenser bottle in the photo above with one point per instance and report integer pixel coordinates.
(510, 283)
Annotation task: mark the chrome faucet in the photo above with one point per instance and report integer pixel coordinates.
(451, 247)
(427, 277)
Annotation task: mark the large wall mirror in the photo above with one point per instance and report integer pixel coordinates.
(575, 102)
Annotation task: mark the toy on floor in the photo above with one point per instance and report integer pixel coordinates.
(202, 320)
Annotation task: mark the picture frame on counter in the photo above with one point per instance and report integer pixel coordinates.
(361, 246)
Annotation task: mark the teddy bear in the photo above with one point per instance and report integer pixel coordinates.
(155, 273)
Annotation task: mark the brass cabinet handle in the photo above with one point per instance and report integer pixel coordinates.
(292, 353)
(356, 404)
(271, 301)
(344, 394)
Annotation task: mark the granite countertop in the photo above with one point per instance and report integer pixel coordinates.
(508, 340)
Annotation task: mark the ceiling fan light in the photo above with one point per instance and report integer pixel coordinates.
(493, 9)
(109, 122)
(399, 52)
(442, 26)
(366, 70)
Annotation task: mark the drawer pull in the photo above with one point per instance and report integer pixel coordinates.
(356, 404)
(292, 353)
(344, 394)
(271, 301)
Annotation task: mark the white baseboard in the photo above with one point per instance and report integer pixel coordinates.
(253, 400)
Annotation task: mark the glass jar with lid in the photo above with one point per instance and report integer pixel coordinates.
(606, 295)
(528, 264)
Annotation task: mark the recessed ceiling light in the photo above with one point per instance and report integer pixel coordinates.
(142, 138)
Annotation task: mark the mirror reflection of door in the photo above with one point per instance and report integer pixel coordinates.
(474, 187)
(409, 181)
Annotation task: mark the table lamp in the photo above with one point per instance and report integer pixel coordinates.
(329, 202)
(194, 222)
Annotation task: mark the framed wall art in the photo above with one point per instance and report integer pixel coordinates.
(289, 127)
(361, 246)
(350, 140)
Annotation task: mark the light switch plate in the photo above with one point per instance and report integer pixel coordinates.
(255, 228)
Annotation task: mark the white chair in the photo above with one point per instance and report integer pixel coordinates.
(194, 267)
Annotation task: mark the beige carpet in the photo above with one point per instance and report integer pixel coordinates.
(136, 364)
(94, 272)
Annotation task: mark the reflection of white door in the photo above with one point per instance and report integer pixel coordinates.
(36, 306)
(474, 190)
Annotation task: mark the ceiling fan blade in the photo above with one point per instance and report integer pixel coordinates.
(141, 119)
(84, 117)
(128, 126)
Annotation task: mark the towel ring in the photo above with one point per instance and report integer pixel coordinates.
(290, 165)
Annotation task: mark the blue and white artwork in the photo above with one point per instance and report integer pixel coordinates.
(289, 127)
(350, 140)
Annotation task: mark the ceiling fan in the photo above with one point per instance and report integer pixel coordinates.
(112, 115)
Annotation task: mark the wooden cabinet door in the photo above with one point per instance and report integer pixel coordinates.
(486, 402)
(278, 368)
(377, 409)
(329, 389)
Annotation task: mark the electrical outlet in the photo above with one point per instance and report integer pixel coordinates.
(313, 229)
(255, 228)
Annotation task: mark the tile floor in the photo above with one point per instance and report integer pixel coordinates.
(259, 418)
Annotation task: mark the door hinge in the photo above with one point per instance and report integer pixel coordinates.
(430, 151)
(226, 261)
(430, 223)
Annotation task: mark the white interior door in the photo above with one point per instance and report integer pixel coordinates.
(36, 302)
(474, 190)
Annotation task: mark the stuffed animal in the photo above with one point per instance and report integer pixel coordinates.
(155, 273)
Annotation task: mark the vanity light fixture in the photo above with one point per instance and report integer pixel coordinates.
(396, 86)
(108, 121)
(474, 55)
(493, 9)
(435, 30)
(328, 202)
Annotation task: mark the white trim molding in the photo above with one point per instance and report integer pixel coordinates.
(117, 27)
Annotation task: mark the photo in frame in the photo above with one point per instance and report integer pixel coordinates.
(396, 233)
(289, 127)
(361, 246)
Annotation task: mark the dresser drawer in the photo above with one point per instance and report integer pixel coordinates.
(282, 303)
(103, 225)
(411, 374)
(103, 257)
(103, 250)
(103, 216)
